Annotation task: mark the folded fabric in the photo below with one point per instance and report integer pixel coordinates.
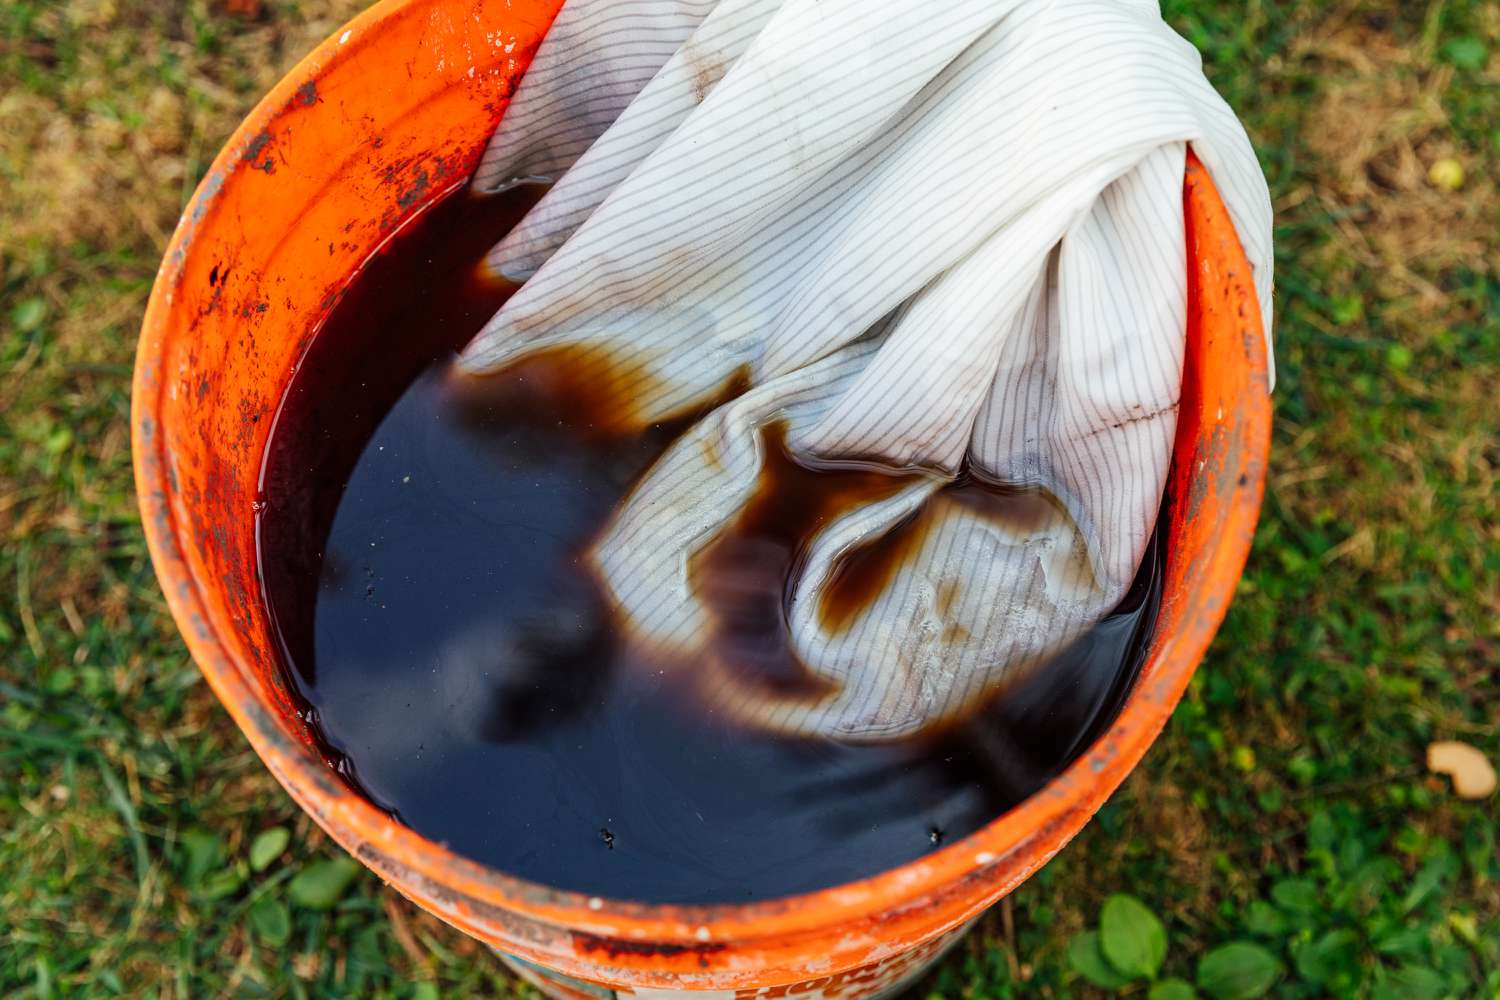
(947, 239)
(657, 110)
(595, 59)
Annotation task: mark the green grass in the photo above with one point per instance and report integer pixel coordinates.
(1286, 807)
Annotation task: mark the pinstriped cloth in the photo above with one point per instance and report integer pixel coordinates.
(950, 234)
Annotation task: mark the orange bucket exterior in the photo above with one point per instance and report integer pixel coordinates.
(381, 121)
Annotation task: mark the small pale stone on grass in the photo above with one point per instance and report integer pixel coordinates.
(1447, 174)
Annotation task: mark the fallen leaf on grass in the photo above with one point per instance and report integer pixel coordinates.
(249, 9)
(1473, 775)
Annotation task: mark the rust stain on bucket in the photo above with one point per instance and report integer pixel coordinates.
(338, 156)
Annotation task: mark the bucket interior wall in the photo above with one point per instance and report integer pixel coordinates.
(278, 227)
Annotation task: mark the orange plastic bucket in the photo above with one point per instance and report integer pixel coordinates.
(381, 121)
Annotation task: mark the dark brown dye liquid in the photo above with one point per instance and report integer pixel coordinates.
(422, 539)
(743, 575)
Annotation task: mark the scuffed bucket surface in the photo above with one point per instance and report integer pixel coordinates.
(381, 120)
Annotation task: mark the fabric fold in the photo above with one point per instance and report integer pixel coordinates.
(948, 241)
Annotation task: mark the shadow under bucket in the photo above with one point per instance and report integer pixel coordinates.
(377, 124)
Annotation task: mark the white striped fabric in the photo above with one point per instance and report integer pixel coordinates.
(950, 233)
(596, 57)
(681, 85)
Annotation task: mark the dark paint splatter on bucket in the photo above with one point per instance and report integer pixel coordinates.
(421, 547)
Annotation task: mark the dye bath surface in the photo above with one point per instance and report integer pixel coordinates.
(422, 551)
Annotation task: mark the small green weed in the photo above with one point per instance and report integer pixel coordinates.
(1352, 923)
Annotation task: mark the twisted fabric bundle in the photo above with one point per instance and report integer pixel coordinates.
(948, 237)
